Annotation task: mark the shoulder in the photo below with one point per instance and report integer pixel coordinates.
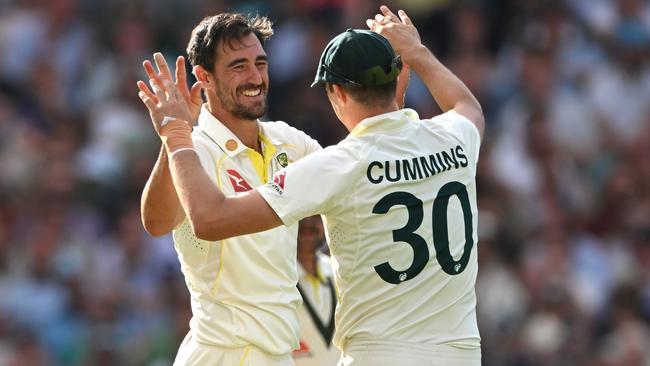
(336, 157)
(204, 145)
(454, 123)
(282, 131)
(451, 118)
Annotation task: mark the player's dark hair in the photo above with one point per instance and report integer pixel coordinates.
(225, 27)
(371, 96)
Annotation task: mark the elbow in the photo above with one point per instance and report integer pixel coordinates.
(154, 228)
(208, 230)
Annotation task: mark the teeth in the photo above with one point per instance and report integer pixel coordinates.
(252, 93)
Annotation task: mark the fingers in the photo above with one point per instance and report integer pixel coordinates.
(405, 18)
(147, 100)
(181, 74)
(388, 13)
(148, 68)
(172, 92)
(158, 88)
(163, 69)
(195, 93)
(373, 25)
(145, 89)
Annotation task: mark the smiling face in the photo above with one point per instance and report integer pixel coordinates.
(241, 78)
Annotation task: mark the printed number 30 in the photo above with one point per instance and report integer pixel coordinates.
(407, 233)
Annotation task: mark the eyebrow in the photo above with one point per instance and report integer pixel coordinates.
(240, 60)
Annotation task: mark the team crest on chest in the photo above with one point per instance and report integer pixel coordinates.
(282, 159)
(238, 183)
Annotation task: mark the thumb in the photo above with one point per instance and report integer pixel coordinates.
(195, 92)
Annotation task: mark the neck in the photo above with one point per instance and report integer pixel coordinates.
(357, 113)
(246, 130)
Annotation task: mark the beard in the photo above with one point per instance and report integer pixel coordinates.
(239, 110)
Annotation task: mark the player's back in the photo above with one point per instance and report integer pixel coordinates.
(403, 236)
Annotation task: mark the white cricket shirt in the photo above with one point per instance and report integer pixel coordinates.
(398, 196)
(243, 289)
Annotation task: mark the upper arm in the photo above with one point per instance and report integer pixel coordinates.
(160, 209)
(310, 186)
(474, 113)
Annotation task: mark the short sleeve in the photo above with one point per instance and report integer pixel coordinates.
(465, 130)
(282, 131)
(312, 185)
(309, 144)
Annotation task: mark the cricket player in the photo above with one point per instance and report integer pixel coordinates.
(316, 286)
(398, 197)
(243, 289)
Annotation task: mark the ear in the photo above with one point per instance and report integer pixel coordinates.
(339, 94)
(202, 75)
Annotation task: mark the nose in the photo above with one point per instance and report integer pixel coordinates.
(256, 76)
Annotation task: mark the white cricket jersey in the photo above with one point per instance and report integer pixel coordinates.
(316, 316)
(398, 196)
(243, 289)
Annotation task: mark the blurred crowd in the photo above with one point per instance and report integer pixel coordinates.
(564, 177)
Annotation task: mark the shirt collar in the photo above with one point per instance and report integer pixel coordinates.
(221, 135)
(216, 131)
(385, 121)
(320, 276)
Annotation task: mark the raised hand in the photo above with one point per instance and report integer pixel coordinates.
(166, 101)
(400, 31)
(191, 97)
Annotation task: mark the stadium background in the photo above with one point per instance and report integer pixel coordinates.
(564, 178)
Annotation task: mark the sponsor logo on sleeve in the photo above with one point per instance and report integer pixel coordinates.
(238, 183)
(278, 181)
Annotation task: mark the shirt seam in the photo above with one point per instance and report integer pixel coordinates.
(356, 204)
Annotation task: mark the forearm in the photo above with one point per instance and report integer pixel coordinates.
(213, 215)
(402, 85)
(159, 207)
(200, 198)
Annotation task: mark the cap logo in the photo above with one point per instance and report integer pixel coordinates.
(238, 183)
(377, 75)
